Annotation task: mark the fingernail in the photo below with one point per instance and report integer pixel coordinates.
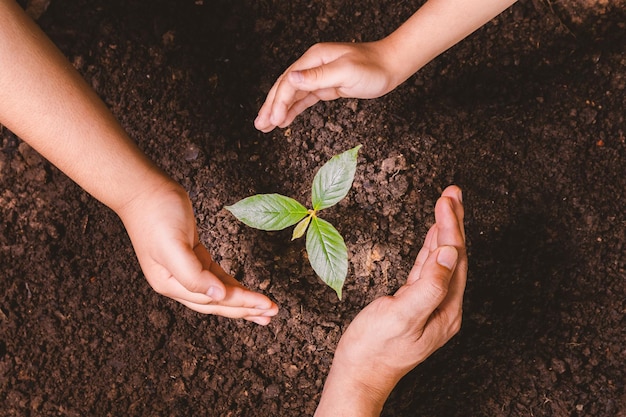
(460, 196)
(447, 257)
(215, 293)
(296, 76)
(263, 306)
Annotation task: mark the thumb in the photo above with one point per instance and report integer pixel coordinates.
(185, 264)
(318, 78)
(422, 297)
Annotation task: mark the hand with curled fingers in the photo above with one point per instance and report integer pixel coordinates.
(326, 71)
(47, 103)
(395, 333)
(162, 229)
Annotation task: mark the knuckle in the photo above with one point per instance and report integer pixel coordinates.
(316, 73)
(438, 288)
(195, 287)
(455, 326)
(316, 47)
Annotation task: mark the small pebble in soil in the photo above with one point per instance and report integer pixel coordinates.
(272, 391)
(192, 152)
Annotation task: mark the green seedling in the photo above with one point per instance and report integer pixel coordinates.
(325, 247)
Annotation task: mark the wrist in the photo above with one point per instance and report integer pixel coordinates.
(350, 392)
(344, 398)
(152, 184)
(399, 60)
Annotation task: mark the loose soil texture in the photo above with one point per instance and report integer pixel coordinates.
(526, 115)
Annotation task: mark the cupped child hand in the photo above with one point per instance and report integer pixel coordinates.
(162, 229)
(395, 333)
(326, 71)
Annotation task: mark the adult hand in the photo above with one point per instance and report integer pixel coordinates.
(326, 71)
(395, 333)
(162, 228)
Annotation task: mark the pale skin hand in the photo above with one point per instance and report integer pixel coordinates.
(394, 334)
(325, 72)
(162, 228)
(328, 71)
(46, 103)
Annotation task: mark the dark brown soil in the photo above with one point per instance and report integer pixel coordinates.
(527, 116)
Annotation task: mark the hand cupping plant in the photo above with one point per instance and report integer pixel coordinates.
(326, 248)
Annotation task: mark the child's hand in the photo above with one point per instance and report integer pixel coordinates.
(162, 228)
(326, 71)
(395, 333)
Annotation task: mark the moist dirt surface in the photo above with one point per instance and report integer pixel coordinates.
(526, 115)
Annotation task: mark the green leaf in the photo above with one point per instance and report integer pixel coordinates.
(268, 211)
(300, 228)
(327, 253)
(333, 180)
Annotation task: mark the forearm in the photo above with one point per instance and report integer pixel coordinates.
(434, 28)
(46, 103)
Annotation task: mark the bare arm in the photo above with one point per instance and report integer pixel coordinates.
(328, 71)
(434, 28)
(394, 334)
(46, 103)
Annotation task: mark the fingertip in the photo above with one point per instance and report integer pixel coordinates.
(271, 312)
(258, 122)
(262, 121)
(449, 211)
(264, 306)
(276, 118)
(262, 321)
(444, 210)
(268, 309)
(454, 192)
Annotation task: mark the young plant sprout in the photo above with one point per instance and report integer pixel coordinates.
(326, 248)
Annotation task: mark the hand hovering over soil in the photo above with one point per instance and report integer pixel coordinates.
(395, 333)
(46, 103)
(328, 71)
(162, 228)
